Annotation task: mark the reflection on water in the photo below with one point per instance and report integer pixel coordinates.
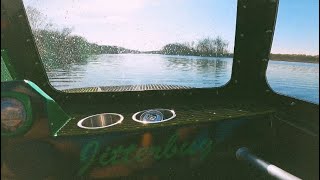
(139, 69)
(65, 77)
(300, 80)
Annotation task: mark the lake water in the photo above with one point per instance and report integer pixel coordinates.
(300, 80)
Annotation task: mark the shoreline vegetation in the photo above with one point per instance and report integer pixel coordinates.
(58, 47)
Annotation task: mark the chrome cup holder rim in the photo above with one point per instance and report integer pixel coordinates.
(134, 116)
(79, 124)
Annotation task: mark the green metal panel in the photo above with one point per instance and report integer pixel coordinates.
(57, 118)
(30, 95)
(7, 73)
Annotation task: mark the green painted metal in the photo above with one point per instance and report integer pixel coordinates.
(24, 91)
(57, 118)
(186, 117)
(7, 73)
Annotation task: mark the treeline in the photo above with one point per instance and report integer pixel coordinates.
(295, 58)
(216, 47)
(59, 48)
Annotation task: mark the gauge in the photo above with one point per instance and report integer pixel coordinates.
(13, 114)
(154, 116)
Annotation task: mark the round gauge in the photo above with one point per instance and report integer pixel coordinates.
(13, 114)
(151, 116)
(154, 116)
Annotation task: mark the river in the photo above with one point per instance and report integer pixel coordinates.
(296, 79)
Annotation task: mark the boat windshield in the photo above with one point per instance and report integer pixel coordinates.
(133, 45)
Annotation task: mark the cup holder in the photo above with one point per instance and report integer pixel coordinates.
(99, 121)
(154, 116)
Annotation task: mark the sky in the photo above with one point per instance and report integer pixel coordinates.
(151, 24)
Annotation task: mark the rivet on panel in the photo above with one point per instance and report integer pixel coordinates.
(269, 31)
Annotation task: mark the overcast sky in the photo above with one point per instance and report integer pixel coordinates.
(151, 24)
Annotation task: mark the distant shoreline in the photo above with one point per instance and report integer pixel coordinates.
(295, 58)
(273, 57)
(300, 61)
(60, 47)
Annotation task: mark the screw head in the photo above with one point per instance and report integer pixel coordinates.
(268, 31)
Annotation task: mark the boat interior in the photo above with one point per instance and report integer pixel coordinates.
(168, 132)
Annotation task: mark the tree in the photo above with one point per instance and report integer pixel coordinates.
(204, 47)
(221, 46)
(212, 47)
(176, 49)
(57, 48)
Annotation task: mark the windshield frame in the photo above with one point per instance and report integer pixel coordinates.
(253, 40)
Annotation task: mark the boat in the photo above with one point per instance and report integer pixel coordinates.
(242, 130)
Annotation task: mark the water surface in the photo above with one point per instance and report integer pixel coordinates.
(300, 80)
